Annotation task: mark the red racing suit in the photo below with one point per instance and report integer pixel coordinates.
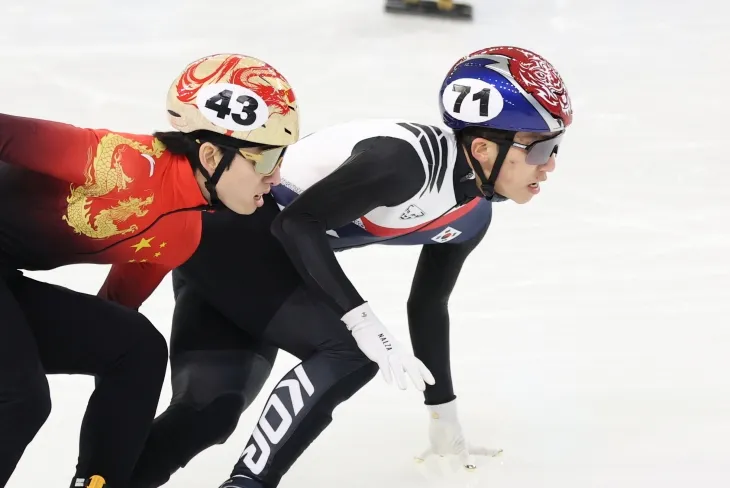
(73, 195)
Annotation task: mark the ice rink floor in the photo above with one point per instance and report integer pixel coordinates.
(590, 331)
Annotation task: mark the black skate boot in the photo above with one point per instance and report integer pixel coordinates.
(445, 9)
(241, 481)
(95, 481)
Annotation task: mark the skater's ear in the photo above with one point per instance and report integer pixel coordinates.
(209, 156)
(484, 151)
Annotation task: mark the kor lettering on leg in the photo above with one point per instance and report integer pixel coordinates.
(264, 435)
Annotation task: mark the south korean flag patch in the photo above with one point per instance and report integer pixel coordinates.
(446, 235)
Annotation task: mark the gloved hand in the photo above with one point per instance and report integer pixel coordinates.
(447, 438)
(378, 344)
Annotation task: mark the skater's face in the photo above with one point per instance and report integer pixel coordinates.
(518, 179)
(240, 188)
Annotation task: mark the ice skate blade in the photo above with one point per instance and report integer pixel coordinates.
(429, 9)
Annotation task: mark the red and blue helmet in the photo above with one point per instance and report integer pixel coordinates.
(505, 88)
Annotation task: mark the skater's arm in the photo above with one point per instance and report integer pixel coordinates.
(130, 284)
(436, 274)
(56, 149)
(381, 172)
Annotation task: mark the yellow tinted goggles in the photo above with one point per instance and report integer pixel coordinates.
(267, 161)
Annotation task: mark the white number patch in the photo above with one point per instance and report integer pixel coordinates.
(472, 100)
(232, 107)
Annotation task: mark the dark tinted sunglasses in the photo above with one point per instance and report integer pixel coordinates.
(539, 152)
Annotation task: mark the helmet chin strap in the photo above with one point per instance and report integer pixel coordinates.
(212, 180)
(487, 184)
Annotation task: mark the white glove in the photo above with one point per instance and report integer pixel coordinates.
(446, 437)
(378, 344)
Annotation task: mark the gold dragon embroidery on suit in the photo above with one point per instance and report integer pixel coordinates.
(104, 175)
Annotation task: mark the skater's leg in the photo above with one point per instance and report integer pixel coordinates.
(301, 406)
(83, 334)
(24, 397)
(217, 371)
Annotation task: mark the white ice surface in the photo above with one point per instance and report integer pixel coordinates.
(590, 329)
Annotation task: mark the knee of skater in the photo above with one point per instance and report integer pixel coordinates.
(223, 414)
(347, 351)
(38, 403)
(357, 364)
(151, 346)
(369, 370)
(28, 406)
(210, 424)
